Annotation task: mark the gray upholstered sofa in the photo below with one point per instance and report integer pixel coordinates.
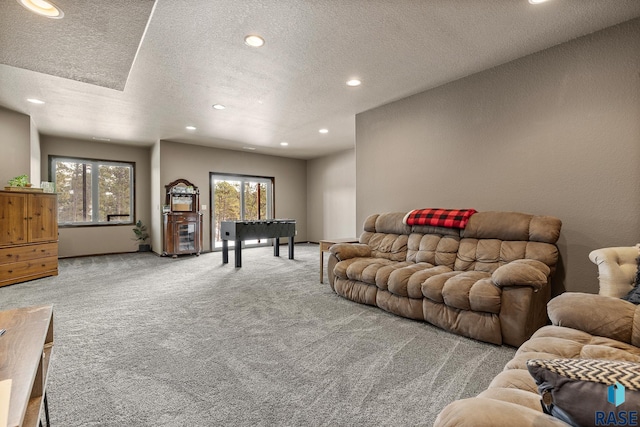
(489, 281)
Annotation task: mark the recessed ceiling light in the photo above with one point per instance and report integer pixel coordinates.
(354, 82)
(284, 144)
(324, 130)
(190, 127)
(43, 8)
(218, 106)
(253, 40)
(35, 101)
(537, 1)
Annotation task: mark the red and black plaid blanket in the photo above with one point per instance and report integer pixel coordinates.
(452, 218)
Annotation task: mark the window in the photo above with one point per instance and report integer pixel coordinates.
(240, 197)
(93, 192)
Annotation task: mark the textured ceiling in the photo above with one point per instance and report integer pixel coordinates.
(192, 55)
(96, 42)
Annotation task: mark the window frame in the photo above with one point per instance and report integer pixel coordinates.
(271, 203)
(95, 164)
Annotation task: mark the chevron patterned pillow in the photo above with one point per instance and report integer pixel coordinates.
(588, 392)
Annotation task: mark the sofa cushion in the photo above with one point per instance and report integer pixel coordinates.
(489, 254)
(514, 378)
(563, 342)
(386, 245)
(519, 397)
(609, 352)
(557, 346)
(383, 273)
(513, 226)
(372, 271)
(478, 254)
(492, 239)
(613, 318)
(432, 287)
(464, 290)
(390, 223)
(583, 391)
(436, 249)
(407, 281)
(457, 291)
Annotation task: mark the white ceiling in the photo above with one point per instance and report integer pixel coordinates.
(192, 55)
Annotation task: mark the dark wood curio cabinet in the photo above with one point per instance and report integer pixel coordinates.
(182, 219)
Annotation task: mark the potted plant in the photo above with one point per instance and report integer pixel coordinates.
(141, 236)
(19, 181)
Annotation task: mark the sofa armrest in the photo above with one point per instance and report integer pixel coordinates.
(481, 412)
(616, 269)
(522, 272)
(344, 251)
(599, 315)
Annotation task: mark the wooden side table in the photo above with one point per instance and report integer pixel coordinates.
(25, 350)
(324, 247)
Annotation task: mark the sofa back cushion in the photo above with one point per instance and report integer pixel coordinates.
(492, 239)
(436, 247)
(389, 238)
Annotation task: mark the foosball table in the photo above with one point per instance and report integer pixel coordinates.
(238, 231)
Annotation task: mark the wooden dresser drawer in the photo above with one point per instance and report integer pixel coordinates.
(28, 252)
(28, 270)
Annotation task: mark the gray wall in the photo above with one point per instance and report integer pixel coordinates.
(34, 154)
(194, 163)
(15, 142)
(74, 241)
(157, 200)
(556, 133)
(331, 196)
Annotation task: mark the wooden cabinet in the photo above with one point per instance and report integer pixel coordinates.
(28, 236)
(183, 233)
(182, 219)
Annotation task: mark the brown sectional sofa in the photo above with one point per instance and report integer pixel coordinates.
(489, 281)
(584, 326)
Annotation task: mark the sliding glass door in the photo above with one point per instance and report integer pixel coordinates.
(239, 197)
